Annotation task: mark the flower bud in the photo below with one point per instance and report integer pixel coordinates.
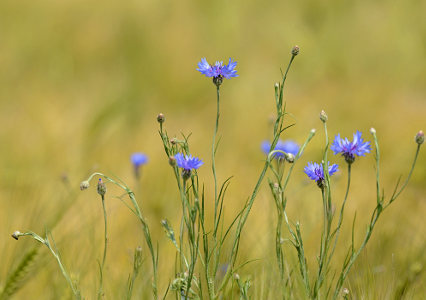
(372, 130)
(345, 292)
(420, 137)
(313, 130)
(16, 235)
(323, 116)
(295, 50)
(101, 187)
(84, 185)
(173, 141)
(276, 87)
(161, 118)
(289, 157)
(237, 277)
(172, 161)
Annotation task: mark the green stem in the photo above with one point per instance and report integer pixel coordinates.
(216, 201)
(55, 254)
(100, 292)
(339, 224)
(137, 211)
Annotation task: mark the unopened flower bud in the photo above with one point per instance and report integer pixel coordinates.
(323, 116)
(161, 118)
(172, 161)
(313, 130)
(173, 141)
(420, 137)
(84, 185)
(237, 277)
(16, 235)
(372, 130)
(289, 157)
(101, 187)
(345, 291)
(295, 50)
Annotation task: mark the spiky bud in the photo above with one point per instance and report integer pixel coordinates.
(295, 50)
(172, 161)
(420, 137)
(101, 187)
(84, 185)
(161, 118)
(323, 116)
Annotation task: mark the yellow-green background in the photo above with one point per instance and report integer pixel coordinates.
(81, 83)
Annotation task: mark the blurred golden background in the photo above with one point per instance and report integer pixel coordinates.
(81, 83)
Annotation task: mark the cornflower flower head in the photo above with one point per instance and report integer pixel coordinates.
(138, 159)
(187, 163)
(218, 71)
(287, 146)
(350, 149)
(315, 172)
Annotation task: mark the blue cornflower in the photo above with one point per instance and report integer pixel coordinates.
(349, 149)
(138, 159)
(315, 172)
(187, 163)
(218, 70)
(287, 146)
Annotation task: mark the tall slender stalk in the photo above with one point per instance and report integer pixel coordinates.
(278, 129)
(138, 213)
(216, 202)
(55, 253)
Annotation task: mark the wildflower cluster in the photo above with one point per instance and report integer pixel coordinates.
(201, 265)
